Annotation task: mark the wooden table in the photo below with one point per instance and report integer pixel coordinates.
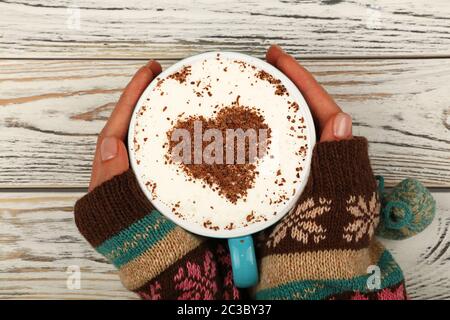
(386, 62)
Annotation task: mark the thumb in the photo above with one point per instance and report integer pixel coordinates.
(113, 160)
(338, 127)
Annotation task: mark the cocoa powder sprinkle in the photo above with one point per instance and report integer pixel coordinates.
(230, 180)
(181, 75)
(280, 89)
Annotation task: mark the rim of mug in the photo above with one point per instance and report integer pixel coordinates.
(255, 227)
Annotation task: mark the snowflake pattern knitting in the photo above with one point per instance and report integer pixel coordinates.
(384, 294)
(365, 214)
(230, 292)
(197, 282)
(300, 223)
(154, 292)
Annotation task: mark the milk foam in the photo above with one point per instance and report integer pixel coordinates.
(280, 170)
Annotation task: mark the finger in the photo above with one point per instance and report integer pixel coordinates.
(339, 127)
(273, 54)
(319, 101)
(113, 157)
(119, 120)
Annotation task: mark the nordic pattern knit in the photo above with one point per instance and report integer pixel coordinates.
(323, 249)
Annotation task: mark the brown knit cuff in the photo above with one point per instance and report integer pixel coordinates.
(340, 168)
(110, 208)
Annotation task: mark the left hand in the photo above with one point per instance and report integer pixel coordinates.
(111, 156)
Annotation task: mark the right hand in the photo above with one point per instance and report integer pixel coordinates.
(332, 123)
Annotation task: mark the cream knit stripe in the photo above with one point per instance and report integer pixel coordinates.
(175, 245)
(280, 269)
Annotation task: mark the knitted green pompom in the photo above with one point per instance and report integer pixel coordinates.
(407, 210)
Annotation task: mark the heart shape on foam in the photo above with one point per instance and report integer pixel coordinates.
(209, 149)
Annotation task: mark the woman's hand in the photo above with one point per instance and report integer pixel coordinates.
(332, 123)
(111, 156)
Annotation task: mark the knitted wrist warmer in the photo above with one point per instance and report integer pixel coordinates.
(155, 258)
(324, 247)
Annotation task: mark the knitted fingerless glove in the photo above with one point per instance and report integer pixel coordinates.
(324, 248)
(155, 258)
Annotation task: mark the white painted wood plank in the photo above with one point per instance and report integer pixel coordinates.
(51, 112)
(39, 240)
(425, 258)
(177, 28)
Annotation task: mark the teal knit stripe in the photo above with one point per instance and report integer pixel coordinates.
(320, 289)
(131, 242)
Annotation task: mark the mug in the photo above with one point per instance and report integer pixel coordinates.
(240, 241)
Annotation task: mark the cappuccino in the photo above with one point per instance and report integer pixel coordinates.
(221, 144)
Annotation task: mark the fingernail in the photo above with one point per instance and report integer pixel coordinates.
(154, 66)
(342, 126)
(151, 64)
(108, 148)
(278, 47)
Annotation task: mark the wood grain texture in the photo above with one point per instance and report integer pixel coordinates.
(425, 258)
(177, 28)
(51, 112)
(39, 240)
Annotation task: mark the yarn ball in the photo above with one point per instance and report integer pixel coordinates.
(406, 210)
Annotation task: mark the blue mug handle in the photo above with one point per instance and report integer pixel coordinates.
(243, 261)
